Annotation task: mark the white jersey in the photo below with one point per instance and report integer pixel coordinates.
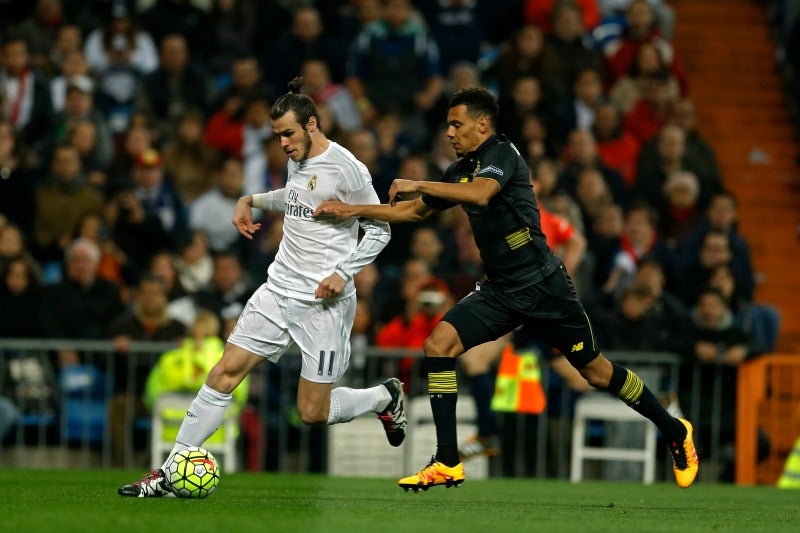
(313, 249)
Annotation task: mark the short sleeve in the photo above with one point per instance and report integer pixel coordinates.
(499, 164)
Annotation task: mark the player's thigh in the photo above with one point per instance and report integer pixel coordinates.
(262, 328)
(482, 316)
(321, 330)
(560, 320)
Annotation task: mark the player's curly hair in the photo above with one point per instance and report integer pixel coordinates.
(297, 101)
(479, 102)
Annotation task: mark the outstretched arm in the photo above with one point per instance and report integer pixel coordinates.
(409, 211)
(477, 192)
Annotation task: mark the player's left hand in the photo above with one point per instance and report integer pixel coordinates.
(333, 209)
(399, 187)
(330, 287)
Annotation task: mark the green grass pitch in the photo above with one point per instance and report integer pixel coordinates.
(66, 501)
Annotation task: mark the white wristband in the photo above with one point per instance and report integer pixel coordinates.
(260, 200)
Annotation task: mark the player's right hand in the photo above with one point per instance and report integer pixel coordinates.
(332, 208)
(243, 219)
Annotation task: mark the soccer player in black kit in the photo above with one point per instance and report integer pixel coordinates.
(526, 284)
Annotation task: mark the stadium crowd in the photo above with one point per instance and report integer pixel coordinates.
(128, 130)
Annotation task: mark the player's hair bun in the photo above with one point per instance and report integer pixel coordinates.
(296, 86)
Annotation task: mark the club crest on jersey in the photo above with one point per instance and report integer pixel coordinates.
(312, 184)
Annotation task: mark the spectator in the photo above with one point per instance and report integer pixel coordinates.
(761, 322)
(527, 54)
(179, 17)
(60, 202)
(550, 194)
(112, 267)
(185, 368)
(179, 303)
(426, 244)
(147, 214)
(323, 90)
(616, 147)
(721, 215)
(187, 160)
(698, 151)
(604, 237)
(562, 237)
(714, 251)
(79, 107)
(147, 320)
(667, 312)
(246, 80)
(568, 45)
(640, 29)
(426, 301)
(234, 26)
(638, 240)
(720, 347)
(119, 41)
(193, 262)
(177, 84)
(580, 154)
(665, 15)
(592, 195)
(305, 40)
(651, 112)
(579, 111)
(40, 30)
(394, 65)
(383, 170)
(17, 180)
(73, 64)
(669, 157)
(526, 98)
(84, 137)
(679, 214)
(628, 89)
(542, 13)
(212, 211)
(24, 95)
(20, 298)
(137, 140)
(630, 325)
(239, 130)
(79, 306)
(69, 40)
(228, 292)
(12, 242)
(458, 27)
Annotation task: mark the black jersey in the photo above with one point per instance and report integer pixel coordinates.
(507, 231)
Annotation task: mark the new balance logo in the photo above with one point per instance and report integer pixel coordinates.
(577, 347)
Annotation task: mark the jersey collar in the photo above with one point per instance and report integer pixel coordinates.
(485, 145)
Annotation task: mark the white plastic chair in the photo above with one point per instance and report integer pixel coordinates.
(606, 408)
(168, 413)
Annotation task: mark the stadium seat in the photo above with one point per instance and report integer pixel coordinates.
(83, 404)
(606, 408)
(359, 449)
(168, 413)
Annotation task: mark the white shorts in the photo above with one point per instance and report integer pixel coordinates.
(270, 324)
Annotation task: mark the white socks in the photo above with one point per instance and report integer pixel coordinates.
(202, 419)
(347, 403)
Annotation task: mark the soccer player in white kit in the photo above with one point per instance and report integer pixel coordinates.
(309, 298)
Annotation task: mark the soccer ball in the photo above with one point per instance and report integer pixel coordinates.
(192, 473)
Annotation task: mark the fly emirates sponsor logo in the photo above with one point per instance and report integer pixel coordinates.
(294, 209)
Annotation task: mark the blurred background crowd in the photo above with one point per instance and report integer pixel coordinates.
(128, 130)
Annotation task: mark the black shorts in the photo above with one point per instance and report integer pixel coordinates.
(549, 308)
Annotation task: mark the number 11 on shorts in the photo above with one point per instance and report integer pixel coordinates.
(321, 367)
